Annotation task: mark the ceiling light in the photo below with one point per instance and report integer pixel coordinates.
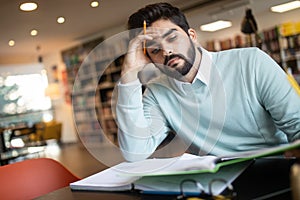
(33, 32)
(60, 20)
(28, 6)
(286, 6)
(11, 43)
(214, 26)
(94, 4)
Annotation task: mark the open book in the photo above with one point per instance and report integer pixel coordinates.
(164, 175)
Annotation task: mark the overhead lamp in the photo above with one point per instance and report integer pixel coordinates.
(60, 20)
(286, 7)
(94, 4)
(11, 43)
(249, 26)
(28, 6)
(33, 32)
(215, 26)
(53, 91)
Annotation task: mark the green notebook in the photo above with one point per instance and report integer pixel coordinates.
(162, 174)
(192, 164)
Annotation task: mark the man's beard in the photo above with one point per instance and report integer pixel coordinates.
(179, 72)
(183, 70)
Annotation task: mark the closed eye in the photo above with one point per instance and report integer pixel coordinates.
(172, 38)
(155, 50)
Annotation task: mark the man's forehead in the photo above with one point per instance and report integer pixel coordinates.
(160, 36)
(159, 30)
(162, 26)
(164, 33)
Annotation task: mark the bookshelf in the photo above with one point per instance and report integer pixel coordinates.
(107, 95)
(290, 46)
(281, 42)
(93, 69)
(271, 43)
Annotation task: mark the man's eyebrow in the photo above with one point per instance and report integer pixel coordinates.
(169, 32)
(153, 42)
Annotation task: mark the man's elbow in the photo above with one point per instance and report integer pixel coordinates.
(133, 157)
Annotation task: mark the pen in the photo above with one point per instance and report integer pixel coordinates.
(144, 44)
(293, 83)
(292, 80)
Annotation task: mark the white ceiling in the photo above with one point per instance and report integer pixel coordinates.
(83, 21)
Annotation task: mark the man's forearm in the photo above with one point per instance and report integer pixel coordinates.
(133, 128)
(141, 127)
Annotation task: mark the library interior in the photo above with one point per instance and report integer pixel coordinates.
(60, 66)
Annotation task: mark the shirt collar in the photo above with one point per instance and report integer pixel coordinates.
(203, 74)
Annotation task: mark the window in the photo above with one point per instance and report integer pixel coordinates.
(23, 94)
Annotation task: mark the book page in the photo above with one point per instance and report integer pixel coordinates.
(263, 152)
(121, 176)
(164, 166)
(107, 180)
(192, 164)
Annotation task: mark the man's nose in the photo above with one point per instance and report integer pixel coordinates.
(167, 52)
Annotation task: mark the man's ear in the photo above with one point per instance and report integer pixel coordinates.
(193, 35)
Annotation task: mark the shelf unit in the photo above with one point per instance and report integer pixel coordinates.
(93, 71)
(107, 94)
(281, 42)
(291, 52)
(290, 47)
(284, 48)
(271, 43)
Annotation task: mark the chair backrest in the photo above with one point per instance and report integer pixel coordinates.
(32, 178)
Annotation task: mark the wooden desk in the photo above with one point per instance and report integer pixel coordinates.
(67, 194)
(264, 178)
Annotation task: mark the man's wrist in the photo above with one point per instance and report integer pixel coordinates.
(136, 82)
(129, 76)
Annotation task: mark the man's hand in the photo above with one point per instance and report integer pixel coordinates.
(135, 59)
(292, 153)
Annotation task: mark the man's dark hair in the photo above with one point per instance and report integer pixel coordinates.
(154, 12)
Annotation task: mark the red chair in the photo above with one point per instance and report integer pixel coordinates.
(32, 178)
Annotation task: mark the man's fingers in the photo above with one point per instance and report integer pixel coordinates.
(292, 153)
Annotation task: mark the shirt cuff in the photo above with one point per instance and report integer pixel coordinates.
(136, 82)
(130, 94)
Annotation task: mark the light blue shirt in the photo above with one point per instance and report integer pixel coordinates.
(240, 100)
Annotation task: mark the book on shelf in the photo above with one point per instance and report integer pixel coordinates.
(164, 175)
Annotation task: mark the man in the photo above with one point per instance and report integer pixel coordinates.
(222, 102)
